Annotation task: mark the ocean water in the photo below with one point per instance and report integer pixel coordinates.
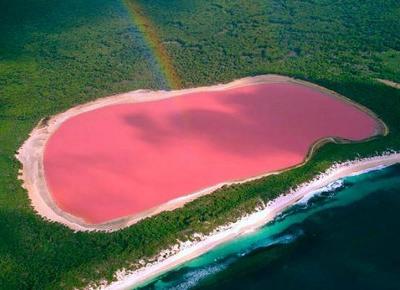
(345, 237)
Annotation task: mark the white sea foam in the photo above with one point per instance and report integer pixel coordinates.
(286, 238)
(192, 278)
(331, 187)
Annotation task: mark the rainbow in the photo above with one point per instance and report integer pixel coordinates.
(146, 27)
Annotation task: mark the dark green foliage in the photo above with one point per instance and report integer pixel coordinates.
(218, 40)
(56, 54)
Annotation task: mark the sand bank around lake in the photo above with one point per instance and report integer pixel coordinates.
(186, 251)
(31, 154)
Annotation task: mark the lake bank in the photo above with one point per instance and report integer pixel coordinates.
(33, 174)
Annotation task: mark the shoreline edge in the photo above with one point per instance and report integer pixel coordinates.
(31, 152)
(186, 251)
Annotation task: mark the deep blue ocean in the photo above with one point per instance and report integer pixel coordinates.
(348, 238)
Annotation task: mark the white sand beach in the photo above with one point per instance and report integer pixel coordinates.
(189, 250)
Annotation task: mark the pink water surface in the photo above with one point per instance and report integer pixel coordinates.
(125, 159)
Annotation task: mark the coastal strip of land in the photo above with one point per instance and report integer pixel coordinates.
(185, 251)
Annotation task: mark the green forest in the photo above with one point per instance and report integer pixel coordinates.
(57, 54)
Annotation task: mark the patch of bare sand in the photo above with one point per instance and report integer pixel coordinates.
(389, 83)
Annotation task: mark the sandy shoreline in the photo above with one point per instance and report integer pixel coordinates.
(190, 250)
(31, 152)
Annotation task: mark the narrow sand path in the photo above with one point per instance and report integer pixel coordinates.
(389, 83)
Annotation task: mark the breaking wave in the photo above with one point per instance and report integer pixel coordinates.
(330, 188)
(288, 238)
(192, 278)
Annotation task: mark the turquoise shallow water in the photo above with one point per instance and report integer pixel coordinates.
(347, 238)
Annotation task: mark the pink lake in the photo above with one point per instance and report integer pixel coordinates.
(125, 159)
